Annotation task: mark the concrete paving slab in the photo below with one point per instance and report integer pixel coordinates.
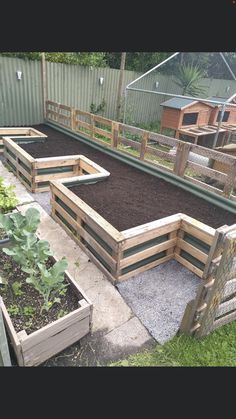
(110, 310)
(10, 179)
(95, 350)
(158, 297)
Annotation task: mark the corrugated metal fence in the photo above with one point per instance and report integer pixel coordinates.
(21, 101)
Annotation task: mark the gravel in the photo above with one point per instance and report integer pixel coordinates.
(158, 297)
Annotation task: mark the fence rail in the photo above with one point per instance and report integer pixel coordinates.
(152, 148)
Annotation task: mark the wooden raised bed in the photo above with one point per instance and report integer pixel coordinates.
(35, 174)
(37, 347)
(18, 133)
(121, 254)
(209, 253)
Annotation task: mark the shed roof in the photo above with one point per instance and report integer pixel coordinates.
(178, 103)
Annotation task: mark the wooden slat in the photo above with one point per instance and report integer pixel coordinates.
(102, 132)
(216, 155)
(84, 113)
(181, 158)
(51, 176)
(163, 139)
(140, 255)
(224, 320)
(164, 154)
(86, 236)
(131, 129)
(84, 160)
(43, 163)
(82, 124)
(140, 234)
(192, 250)
(197, 229)
(87, 213)
(203, 185)
(188, 265)
(230, 287)
(230, 181)
(102, 120)
(65, 107)
(203, 170)
(133, 144)
(18, 151)
(226, 307)
(144, 268)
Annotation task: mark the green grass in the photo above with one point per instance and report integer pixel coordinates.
(218, 349)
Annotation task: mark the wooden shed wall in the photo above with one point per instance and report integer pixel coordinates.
(173, 118)
(214, 114)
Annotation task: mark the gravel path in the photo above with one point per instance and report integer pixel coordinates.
(158, 297)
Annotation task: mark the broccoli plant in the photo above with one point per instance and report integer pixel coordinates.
(8, 199)
(32, 255)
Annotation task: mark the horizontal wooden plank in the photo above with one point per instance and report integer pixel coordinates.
(197, 229)
(188, 265)
(147, 252)
(155, 152)
(163, 139)
(102, 120)
(131, 129)
(65, 107)
(52, 176)
(230, 287)
(156, 224)
(206, 171)
(97, 167)
(50, 113)
(192, 250)
(82, 124)
(203, 185)
(224, 320)
(18, 167)
(103, 132)
(84, 113)
(54, 344)
(56, 162)
(216, 155)
(133, 144)
(226, 307)
(144, 268)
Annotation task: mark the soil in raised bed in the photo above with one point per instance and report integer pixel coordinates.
(129, 197)
(11, 272)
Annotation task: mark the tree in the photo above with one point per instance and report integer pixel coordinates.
(95, 59)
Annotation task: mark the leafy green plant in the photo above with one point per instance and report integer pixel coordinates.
(16, 287)
(61, 313)
(32, 254)
(28, 311)
(13, 309)
(98, 108)
(188, 77)
(8, 199)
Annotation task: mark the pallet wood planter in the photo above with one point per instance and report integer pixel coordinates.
(18, 133)
(37, 347)
(207, 252)
(35, 174)
(153, 148)
(121, 254)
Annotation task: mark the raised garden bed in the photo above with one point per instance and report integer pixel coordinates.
(43, 307)
(35, 174)
(18, 133)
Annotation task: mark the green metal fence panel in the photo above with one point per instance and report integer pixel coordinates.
(21, 101)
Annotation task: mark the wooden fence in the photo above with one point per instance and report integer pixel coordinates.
(215, 302)
(35, 174)
(151, 147)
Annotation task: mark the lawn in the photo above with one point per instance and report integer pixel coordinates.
(218, 349)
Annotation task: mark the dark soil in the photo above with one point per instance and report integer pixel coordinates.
(20, 306)
(129, 197)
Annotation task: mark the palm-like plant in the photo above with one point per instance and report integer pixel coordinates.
(188, 77)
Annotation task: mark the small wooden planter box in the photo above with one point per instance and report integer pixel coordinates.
(19, 133)
(33, 349)
(35, 174)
